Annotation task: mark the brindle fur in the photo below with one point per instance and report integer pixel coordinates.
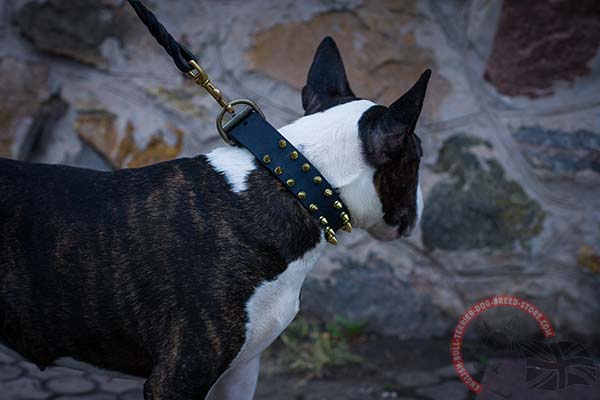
(145, 271)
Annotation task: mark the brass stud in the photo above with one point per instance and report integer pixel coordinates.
(278, 170)
(266, 158)
(338, 204)
(323, 220)
(313, 207)
(282, 143)
(301, 195)
(329, 231)
(328, 192)
(317, 179)
(305, 167)
(290, 182)
(294, 155)
(347, 227)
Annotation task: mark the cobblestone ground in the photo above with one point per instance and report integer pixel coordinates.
(21, 380)
(412, 378)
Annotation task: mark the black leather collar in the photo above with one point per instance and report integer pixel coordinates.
(292, 169)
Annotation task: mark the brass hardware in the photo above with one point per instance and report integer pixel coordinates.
(313, 207)
(330, 236)
(346, 220)
(323, 220)
(201, 78)
(282, 143)
(317, 179)
(345, 217)
(328, 192)
(278, 170)
(301, 195)
(266, 158)
(224, 128)
(338, 204)
(305, 167)
(294, 155)
(290, 182)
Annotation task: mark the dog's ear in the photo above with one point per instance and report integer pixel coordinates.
(388, 133)
(327, 84)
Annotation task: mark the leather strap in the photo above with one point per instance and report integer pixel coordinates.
(292, 169)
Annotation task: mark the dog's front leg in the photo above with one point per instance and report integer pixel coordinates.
(181, 378)
(237, 383)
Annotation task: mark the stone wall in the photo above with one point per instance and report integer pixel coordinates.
(511, 130)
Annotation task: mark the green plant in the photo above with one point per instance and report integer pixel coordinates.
(343, 328)
(310, 347)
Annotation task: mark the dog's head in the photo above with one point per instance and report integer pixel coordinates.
(369, 152)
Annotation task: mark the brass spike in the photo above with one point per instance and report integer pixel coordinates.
(282, 143)
(347, 227)
(317, 179)
(328, 192)
(305, 167)
(330, 235)
(301, 195)
(313, 207)
(278, 170)
(266, 158)
(345, 217)
(323, 220)
(294, 155)
(338, 204)
(332, 240)
(290, 182)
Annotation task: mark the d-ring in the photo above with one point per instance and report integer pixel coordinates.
(223, 131)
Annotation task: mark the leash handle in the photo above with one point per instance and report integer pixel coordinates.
(184, 59)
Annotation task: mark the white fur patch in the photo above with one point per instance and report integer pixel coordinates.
(419, 204)
(362, 200)
(270, 310)
(330, 140)
(233, 162)
(275, 303)
(237, 383)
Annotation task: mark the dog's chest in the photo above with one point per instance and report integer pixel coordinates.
(274, 305)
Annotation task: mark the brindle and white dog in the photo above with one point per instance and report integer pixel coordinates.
(185, 271)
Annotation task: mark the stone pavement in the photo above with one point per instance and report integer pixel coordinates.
(504, 378)
(21, 380)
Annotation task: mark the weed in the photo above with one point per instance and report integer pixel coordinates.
(311, 347)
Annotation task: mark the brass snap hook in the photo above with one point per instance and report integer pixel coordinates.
(201, 78)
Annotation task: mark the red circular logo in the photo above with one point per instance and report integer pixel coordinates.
(476, 310)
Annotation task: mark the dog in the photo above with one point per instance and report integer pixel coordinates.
(183, 272)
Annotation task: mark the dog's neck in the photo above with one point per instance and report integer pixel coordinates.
(330, 141)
